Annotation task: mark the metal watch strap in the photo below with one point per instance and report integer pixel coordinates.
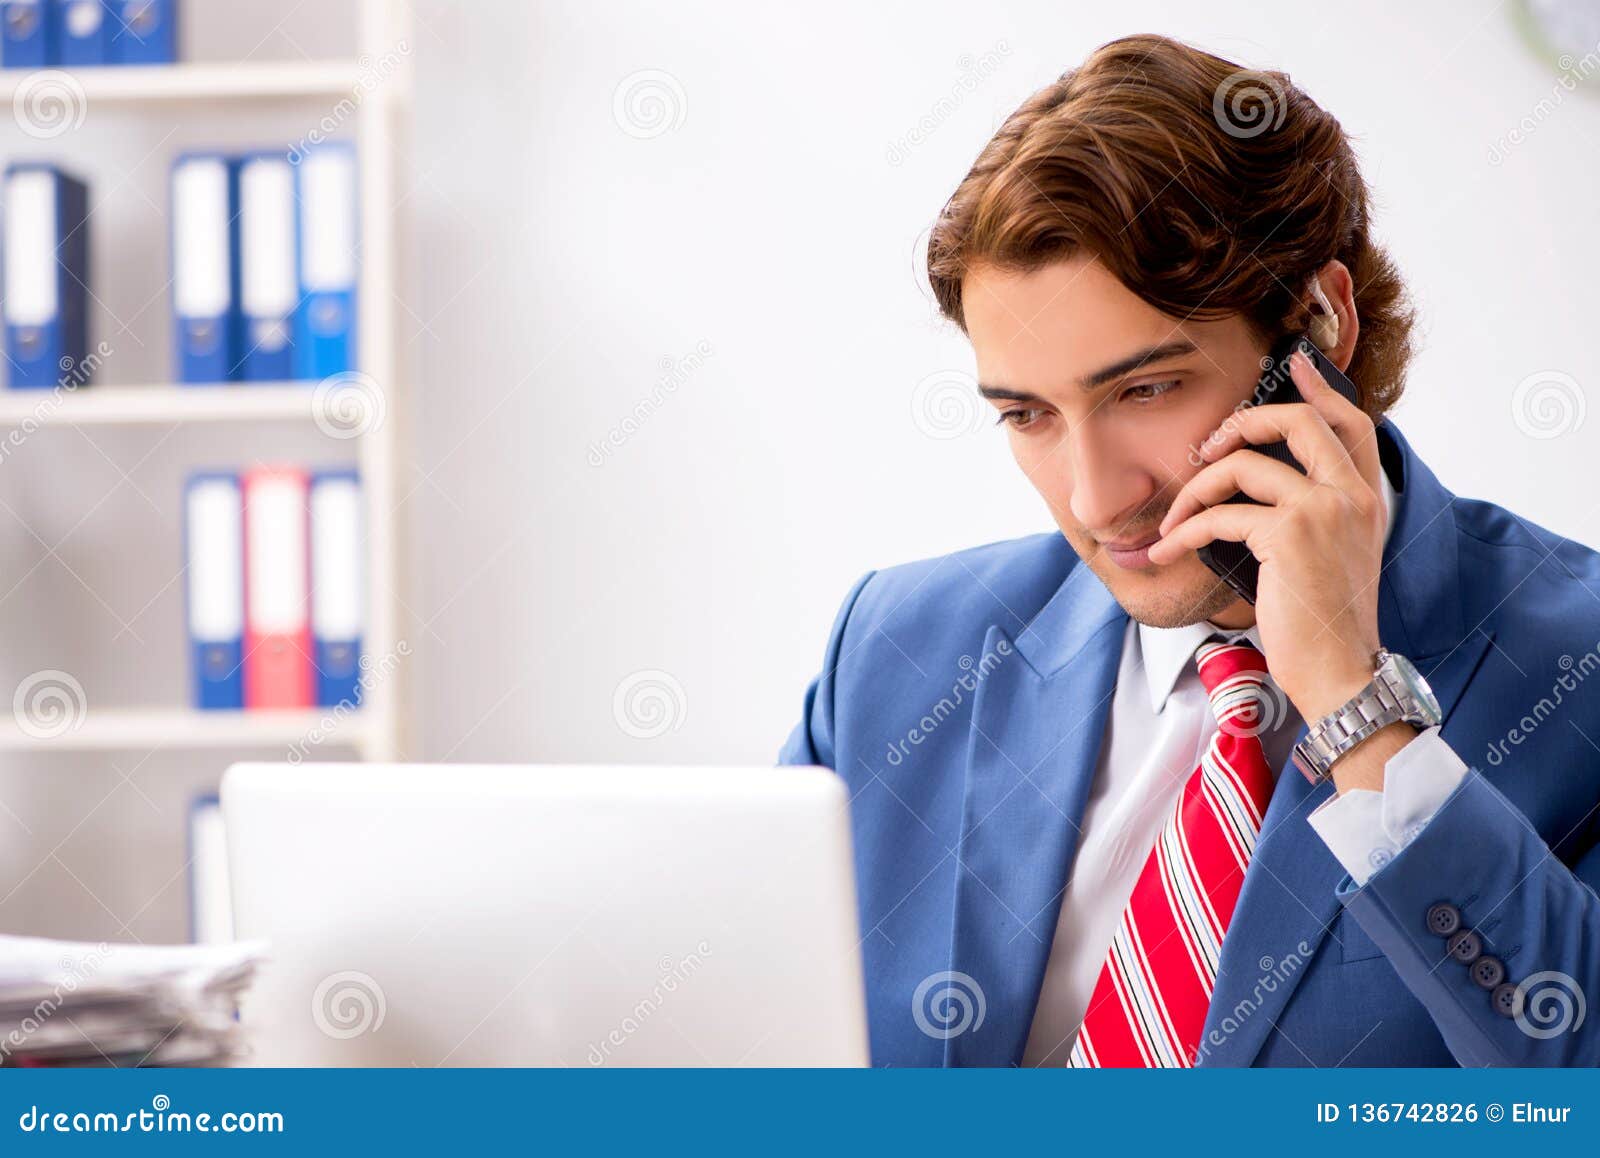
(1382, 702)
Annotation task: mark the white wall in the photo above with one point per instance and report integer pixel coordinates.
(564, 260)
(562, 264)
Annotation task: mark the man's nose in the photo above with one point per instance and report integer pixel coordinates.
(1110, 490)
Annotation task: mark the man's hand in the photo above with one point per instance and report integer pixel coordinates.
(1318, 538)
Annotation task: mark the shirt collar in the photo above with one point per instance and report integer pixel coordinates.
(1167, 651)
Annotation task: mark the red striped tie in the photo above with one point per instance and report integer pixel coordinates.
(1149, 1004)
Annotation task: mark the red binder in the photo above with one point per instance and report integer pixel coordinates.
(277, 633)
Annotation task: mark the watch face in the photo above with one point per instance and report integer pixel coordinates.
(1408, 675)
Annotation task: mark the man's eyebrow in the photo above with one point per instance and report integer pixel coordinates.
(1131, 363)
(1006, 394)
(1100, 377)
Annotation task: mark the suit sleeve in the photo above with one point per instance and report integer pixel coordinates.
(812, 741)
(1525, 930)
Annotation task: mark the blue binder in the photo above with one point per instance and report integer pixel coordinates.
(145, 32)
(46, 276)
(214, 556)
(325, 323)
(26, 34)
(205, 267)
(83, 30)
(269, 284)
(337, 592)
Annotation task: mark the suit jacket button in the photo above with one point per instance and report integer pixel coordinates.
(1488, 972)
(1465, 946)
(1504, 999)
(1444, 919)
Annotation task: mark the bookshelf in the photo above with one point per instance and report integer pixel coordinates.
(377, 116)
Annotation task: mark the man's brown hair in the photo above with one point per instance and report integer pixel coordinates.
(1208, 190)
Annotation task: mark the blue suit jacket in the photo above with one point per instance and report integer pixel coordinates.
(963, 700)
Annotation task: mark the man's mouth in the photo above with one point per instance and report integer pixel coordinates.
(1131, 554)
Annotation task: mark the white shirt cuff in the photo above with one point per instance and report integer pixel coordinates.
(1365, 829)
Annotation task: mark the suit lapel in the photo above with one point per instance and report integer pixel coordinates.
(1288, 901)
(1038, 721)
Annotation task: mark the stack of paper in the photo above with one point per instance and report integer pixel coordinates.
(65, 1003)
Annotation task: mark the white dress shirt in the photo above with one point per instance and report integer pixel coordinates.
(1160, 721)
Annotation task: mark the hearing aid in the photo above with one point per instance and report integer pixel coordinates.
(1323, 328)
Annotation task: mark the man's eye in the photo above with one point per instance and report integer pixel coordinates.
(1019, 417)
(1148, 390)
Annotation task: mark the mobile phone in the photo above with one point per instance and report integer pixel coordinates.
(1233, 562)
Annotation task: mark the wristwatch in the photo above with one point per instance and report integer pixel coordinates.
(1397, 694)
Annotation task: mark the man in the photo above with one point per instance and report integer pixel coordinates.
(1081, 837)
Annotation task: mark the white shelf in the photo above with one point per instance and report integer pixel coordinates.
(255, 80)
(149, 729)
(108, 405)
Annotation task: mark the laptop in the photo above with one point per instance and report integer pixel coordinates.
(494, 915)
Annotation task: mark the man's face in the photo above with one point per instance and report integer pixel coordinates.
(1106, 400)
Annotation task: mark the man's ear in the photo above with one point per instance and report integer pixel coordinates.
(1339, 288)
